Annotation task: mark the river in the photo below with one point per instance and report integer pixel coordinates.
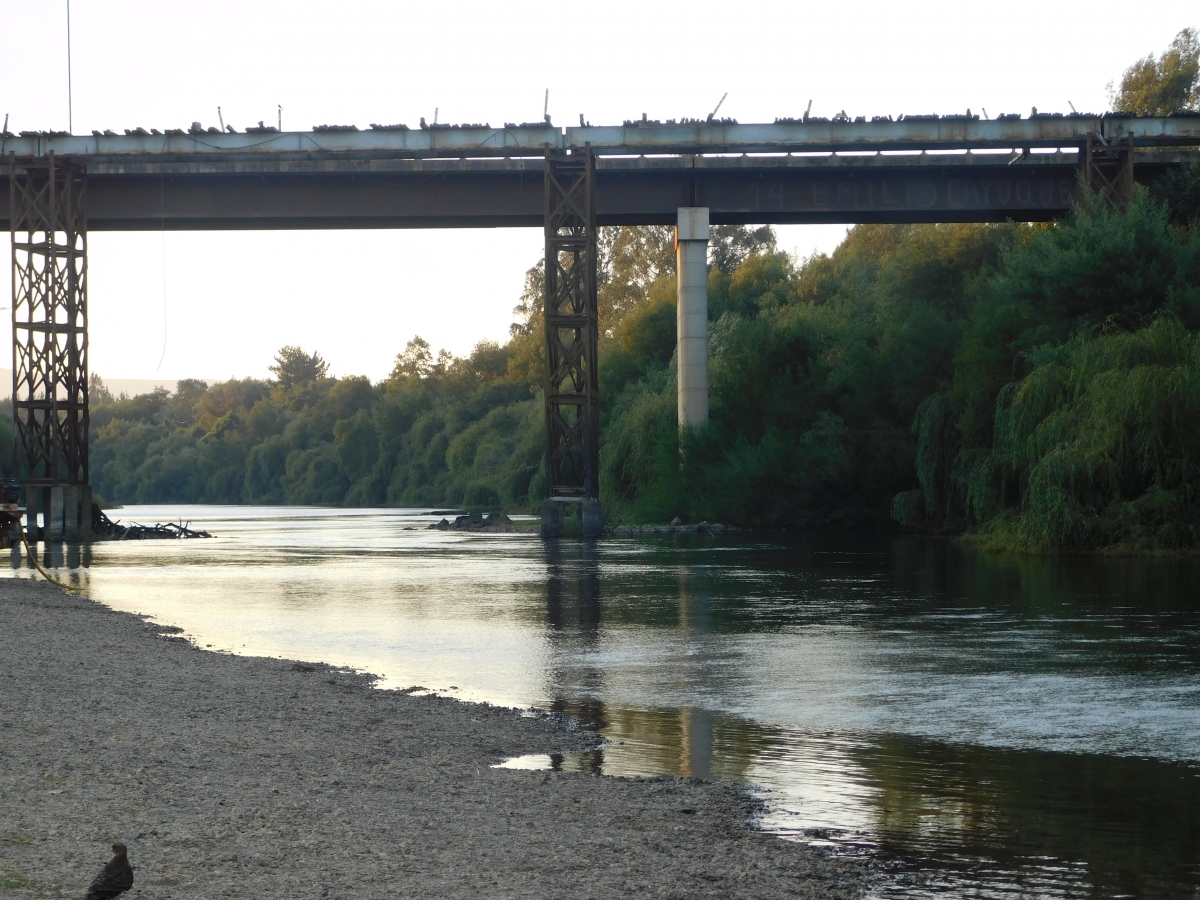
(990, 726)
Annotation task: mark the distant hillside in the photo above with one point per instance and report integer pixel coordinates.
(129, 386)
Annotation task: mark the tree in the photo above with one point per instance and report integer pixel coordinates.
(631, 259)
(188, 391)
(98, 392)
(415, 362)
(1169, 84)
(730, 245)
(294, 367)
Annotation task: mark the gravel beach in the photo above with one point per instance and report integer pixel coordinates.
(234, 776)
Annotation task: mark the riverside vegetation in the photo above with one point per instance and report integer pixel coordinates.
(1036, 384)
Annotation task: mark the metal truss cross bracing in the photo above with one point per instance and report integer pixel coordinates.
(572, 388)
(48, 227)
(1108, 168)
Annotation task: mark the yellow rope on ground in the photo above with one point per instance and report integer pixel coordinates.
(50, 578)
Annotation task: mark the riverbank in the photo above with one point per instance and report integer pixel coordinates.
(234, 776)
(1002, 542)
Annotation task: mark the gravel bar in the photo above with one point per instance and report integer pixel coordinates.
(234, 776)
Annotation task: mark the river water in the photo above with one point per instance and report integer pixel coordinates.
(986, 726)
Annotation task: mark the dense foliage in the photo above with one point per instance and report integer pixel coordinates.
(1072, 414)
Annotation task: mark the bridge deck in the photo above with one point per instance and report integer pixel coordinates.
(917, 169)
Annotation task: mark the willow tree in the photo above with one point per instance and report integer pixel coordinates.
(1168, 84)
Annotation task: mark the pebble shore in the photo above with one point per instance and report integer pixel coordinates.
(244, 777)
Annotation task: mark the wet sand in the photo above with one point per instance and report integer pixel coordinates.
(233, 776)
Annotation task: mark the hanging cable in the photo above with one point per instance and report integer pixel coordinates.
(162, 230)
(70, 100)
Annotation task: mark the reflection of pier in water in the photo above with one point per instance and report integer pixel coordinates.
(70, 560)
(952, 817)
(693, 742)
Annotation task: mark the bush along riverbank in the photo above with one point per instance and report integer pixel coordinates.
(238, 776)
(1072, 420)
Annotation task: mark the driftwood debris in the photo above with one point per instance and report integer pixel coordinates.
(105, 528)
(473, 521)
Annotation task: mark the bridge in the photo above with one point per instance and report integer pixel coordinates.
(690, 174)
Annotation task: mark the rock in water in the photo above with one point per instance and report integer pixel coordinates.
(115, 878)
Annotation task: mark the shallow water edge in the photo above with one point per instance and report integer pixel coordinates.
(274, 778)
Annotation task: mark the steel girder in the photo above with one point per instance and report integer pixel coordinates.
(572, 388)
(48, 227)
(1108, 168)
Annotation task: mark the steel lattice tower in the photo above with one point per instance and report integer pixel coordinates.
(48, 203)
(572, 386)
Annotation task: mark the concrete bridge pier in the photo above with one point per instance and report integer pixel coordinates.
(691, 315)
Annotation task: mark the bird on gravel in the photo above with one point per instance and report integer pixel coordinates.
(115, 878)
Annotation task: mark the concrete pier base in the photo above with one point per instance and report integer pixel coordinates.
(85, 512)
(593, 521)
(65, 511)
(71, 513)
(56, 513)
(590, 515)
(552, 519)
(691, 315)
(33, 506)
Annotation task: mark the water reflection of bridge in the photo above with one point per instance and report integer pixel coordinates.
(569, 181)
(967, 816)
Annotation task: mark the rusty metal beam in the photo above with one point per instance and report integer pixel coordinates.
(572, 388)
(48, 229)
(971, 187)
(1106, 167)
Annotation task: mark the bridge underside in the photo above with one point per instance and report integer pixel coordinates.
(643, 191)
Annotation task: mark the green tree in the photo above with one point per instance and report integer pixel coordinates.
(1159, 87)
(730, 245)
(98, 392)
(415, 362)
(1100, 266)
(293, 367)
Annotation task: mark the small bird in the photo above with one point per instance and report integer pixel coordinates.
(115, 878)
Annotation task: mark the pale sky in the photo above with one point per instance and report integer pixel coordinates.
(227, 301)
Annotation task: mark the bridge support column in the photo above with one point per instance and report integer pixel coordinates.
(572, 387)
(33, 506)
(56, 513)
(691, 315)
(48, 222)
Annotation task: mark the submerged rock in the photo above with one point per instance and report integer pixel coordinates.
(473, 521)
